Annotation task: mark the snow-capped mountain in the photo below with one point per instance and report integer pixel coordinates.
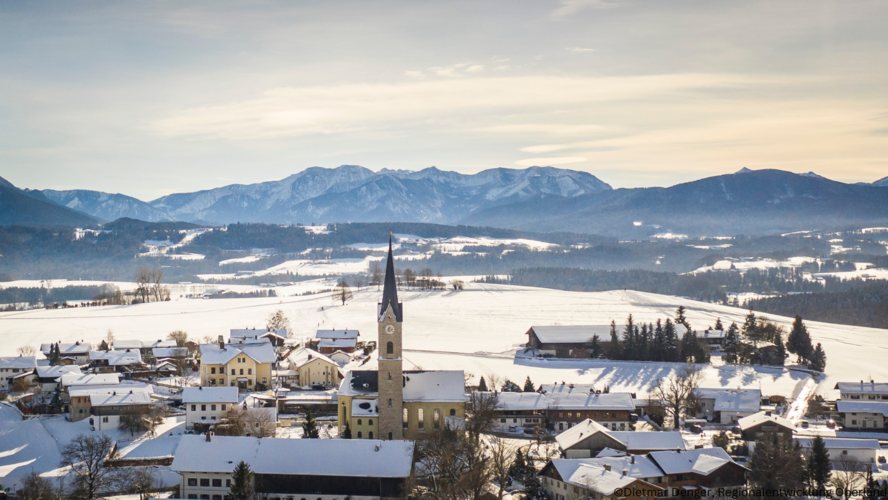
(106, 206)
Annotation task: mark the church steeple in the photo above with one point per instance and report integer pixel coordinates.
(390, 288)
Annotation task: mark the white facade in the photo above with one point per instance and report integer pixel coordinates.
(865, 451)
(13, 367)
(104, 422)
(207, 405)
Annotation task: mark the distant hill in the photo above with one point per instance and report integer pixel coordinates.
(19, 208)
(105, 205)
(883, 182)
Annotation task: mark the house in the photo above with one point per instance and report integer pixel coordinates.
(122, 345)
(78, 403)
(115, 361)
(329, 341)
(340, 358)
(712, 339)
(864, 391)
(862, 415)
(70, 381)
(588, 438)
(706, 468)
(166, 353)
(517, 411)
(15, 368)
(147, 348)
(247, 366)
(727, 406)
(48, 377)
(563, 341)
(569, 479)
(860, 450)
(247, 335)
(207, 404)
(312, 369)
(570, 404)
(315, 468)
(71, 354)
(106, 409)
(757, 424)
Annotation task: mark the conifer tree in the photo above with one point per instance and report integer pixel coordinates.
(630, 351)
(642, 342)
(528, 385)
(346, 432)
(718, 324)
(103, 346)
(818, 359)
(594, 346)
(242, 483)
(310, 427)
(799, 341)
(659, 348)
(819, 466)
(482, 385)
(681, 319)
(615, 350)
(731, 344)
(673, 353)
(751, 330)
(781, 351)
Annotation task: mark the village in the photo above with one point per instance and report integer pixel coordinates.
(371, 428)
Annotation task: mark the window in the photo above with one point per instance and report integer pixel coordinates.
(502, 420)
(359, 435)
(223, 408)
(203, 407)
(232, 383)
(249, 371)
(844, 452)
(205, 497)
(390, 403)
(204, 482)
(233, 372)
(193, 407)
(359, 421)
(405, 418)
(105, 420)
(390, 373)
(241, 371)
(213, 370)
(192, 481)
(217, 497)
(217, 483)
(436, 418)
(420, 419)
(191, 495)
(390, 348)
(452, 412)
(250, 382)
(369, 421)
(390, 436)
(228, 483)
(221, 381)
(212, 407)
(370, 435)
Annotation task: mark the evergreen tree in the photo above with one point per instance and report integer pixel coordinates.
(673, 353)
(718, 324)
(818, 359)
(731, 344)
(776, 463)
(630, 349)
(519, 469)
(482, 385)
(799, 341)
(56, 403)
(819, 466)
(751, 330)
(528, 385)
(642, 342)
(533, 490)
(310, 427)
(688, 349)
(594, 346)
(346, 432)
(681, 319)
(509, 386)
(103, 346)
(658, 350)
(614, 349)
(242, 483)
(53, 354)
(781, 351)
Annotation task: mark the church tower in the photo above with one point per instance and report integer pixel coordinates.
(391, 375)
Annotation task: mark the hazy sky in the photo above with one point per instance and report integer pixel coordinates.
(149, 98)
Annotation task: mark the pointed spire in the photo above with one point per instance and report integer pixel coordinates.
(390, 287)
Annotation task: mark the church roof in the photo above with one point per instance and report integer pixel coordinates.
(390, 288)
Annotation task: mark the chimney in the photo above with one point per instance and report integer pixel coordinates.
(632, 459)
(221, 342)
(209, 436)
(607, 467)
(625, 472)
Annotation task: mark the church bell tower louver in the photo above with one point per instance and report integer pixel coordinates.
(391, 374)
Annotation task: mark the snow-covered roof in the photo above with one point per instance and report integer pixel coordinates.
(637, 466)
(649, 441)
(598, 479)
(365, 408)
(56, 371)
(711, 334)
(169, 352)
(337, 334)
(77, 379)
(118, 345)
(561, 334)
(522, 401)
(209, 395)
(579, 432)
(743, 400)
(587, 401)
(304, 457)
(110, 389)
(117, 358)
(212, 354)
(843, 443)
(862, 387)
(610, 452)
(133, 398)
(303, 356)
(159, 344)
(760, 418)
(438, 386)
(337, 343)
(68, 349)
(253, 333)
(862, 407)
(20, 362)
(703, 461)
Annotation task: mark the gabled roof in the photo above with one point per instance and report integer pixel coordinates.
(570, 334)
(304, 457)
(843, 443)
(56, 371)
(440, 386)
(117, 358)
(110, 389)
(743, 400)
(863, 387)
(862, 407)
(650, 441)
(209, 395)
(304, 356)
(133, 398)
(637, 466)
(703, 461)
(212, 354)
(337, 343)
(337, 334)
(169, 352)
(587, 401)
(68, 349)
(125, 344)
(21, 362)
(522, 401)
(390, 289)
(598, 479)
(76, 379)
(579, 432)
(760, 418)
(239, 334)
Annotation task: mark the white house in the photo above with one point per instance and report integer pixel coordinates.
(106, 409)
(588, 438)
(863, 391)
(77, 380)
(872, 415)
(16, 367)
(76, 353)
(865, 451)
(727, 406)
(48, 377)
(315, 468)
(207, 404)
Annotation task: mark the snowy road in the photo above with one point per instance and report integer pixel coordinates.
(800, 405)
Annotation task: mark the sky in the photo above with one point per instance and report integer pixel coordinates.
(152, 98)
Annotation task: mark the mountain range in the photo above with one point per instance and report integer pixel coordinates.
(533, 199)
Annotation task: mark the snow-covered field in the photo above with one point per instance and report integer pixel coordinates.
(747, 264)
(478, 329)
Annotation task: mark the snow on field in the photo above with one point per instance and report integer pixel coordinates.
(241, 260)
(456, 244)
(186, 256)
(316, 229)
(373, 247)
(865, 274)
(756, 263)
(711, 247)
(25, 445)
(161, 248)
(478, 329)
(669, 236)
(123, 285)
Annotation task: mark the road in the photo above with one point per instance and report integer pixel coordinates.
(800, 404)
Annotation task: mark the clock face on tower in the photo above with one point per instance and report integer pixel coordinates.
(389, 329)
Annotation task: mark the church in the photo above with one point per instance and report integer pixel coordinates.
(390, 403)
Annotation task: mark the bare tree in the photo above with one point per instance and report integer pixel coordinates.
(676, 393)
(26, 350)
(157, 290)
(502, 455)
(143, 278)
(179, 336)
(375, 271)
(848, 474)
(240, 421)
(35, 487)
(85, 458)
(141, 480)
(279, 320)
(481, 413)
(109, 337)
(342, 293)
(132, 421)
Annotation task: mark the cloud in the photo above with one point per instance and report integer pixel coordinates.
(546, 148)
(580, 50)
(474, 68)
(570, 7)
(414, 74)
(545, 162)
